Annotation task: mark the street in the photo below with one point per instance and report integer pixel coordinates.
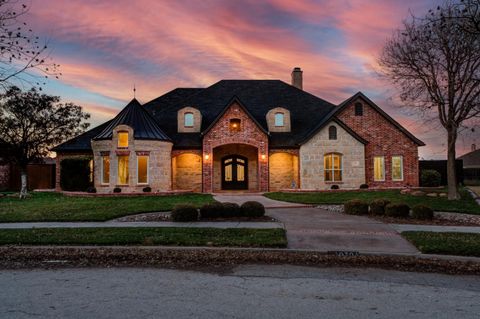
(250, 291)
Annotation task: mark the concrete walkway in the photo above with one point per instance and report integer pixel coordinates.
(433, 228)
(267, 202)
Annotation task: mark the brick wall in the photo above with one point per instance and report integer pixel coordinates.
(385, 139)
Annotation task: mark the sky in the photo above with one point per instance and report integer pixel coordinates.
(105, 48)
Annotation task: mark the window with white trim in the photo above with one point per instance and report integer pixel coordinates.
(123, 139)
(397, 168)
(142, 169)
(379, 168)
(332, 164)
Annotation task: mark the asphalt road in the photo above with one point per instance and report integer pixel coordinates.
(243, 292)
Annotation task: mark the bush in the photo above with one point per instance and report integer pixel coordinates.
(231, 210)
(430, 178)
(356, 207)
(377, 206)
(422, 212)
(334, 187)
(211, 210)
(184, 213)
(147, 189)
(117, 190)
(253, 209)
(364, 186)
(75, 174)
(91, 189)
(397, 210)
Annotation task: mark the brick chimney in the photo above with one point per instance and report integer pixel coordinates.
(297, 78)
(474, 147)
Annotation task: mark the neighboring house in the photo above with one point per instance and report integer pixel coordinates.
(471, 166)
(255, 135)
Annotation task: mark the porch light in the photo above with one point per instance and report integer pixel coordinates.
(207, 156)
(264, 156)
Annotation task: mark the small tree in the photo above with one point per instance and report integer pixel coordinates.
(436, 65)
(31, 123)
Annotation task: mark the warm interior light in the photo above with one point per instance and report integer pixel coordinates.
(234, 125)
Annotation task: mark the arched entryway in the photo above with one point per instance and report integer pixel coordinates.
(234, 172)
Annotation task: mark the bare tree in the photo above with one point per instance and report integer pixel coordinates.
(23, 58)
(435, 64)
(30, 123)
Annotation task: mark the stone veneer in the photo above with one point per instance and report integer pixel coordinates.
(159, 164)
(384, 139)
(197, 120)
(187, 170)
(313, 151)
(271, 120)
(284, 169)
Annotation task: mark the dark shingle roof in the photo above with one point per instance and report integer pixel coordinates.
(471, 159)
(81, 142)
(143, 124)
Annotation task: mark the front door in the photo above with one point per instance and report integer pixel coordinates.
(234, 172)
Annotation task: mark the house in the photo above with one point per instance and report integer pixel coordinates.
(471, 166)
(250, 135)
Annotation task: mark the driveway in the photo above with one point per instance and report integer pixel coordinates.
(317, 229)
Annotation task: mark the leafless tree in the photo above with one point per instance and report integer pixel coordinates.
(435, 64)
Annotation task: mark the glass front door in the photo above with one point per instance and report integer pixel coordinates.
(234, 172)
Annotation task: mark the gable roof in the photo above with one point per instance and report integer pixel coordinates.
(471, 159)
(143, 124)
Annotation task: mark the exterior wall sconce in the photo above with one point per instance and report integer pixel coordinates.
(207, 157)
(264, 156)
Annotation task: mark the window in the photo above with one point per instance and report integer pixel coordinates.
(332, 133)
(235, 125)
(397, 168)
(122, 178)
(332, 164)
(358, 109)
(142, 169)
(105, 169)
(379, 168)
(123, 139)
(90, 167)
(279, 119)
(188, 119)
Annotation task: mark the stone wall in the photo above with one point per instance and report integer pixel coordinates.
(271, 120)
(384, 139)
(312, 165)
(283, 168)
(197, 120)
(187, 170)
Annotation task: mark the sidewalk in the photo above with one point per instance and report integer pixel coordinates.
(433, 228)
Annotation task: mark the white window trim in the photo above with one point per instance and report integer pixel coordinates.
(401, 168)
(275, 119)
(102, 182)
(331, 154)
(379, 180)
(148, 170)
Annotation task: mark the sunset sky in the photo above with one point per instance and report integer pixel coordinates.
(105, 47)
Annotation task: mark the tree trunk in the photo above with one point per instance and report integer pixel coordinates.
(453, 193)
(24, 177)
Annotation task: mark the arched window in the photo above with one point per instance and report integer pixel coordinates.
(279, 119)
(358, 109)
(188, 119)
(332, 164)
(332, 133)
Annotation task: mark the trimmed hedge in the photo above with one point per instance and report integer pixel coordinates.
(364, 186)
(397, 210)
(253, 209)
(430, 178)
(184, 213)
(377, 206)
(334, 186)
(211, 210)
(422, 212)
(147, 189)
(75, 174)
(231, 210)
(117, 190)
(356, 207)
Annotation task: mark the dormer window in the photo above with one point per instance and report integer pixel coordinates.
(123, 139)
(188, 119)
(279, 119)
(332, 133)
(358, 109)
(235, 125)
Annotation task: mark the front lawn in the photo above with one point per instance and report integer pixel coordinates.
(57, 207)
(461, 244)
(465, 205)
(177, 236)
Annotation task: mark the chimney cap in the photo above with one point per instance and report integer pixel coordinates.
(297, 68)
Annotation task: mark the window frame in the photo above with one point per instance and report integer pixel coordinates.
(231, 123)
(128, 169)
(332, 169)
(282, 118)
(383, 171)
(118, 139)
(185, 119)
(148, 173)
(401, 169)
(102, 170)
(358, 109)
(332, 130)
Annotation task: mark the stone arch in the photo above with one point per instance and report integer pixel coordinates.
(197, 120)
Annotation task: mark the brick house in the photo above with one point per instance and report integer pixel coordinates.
(250, 135)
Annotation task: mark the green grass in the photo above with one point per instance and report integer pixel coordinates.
(57, 207)
(465, 205)
(460, 244)
(178, 236)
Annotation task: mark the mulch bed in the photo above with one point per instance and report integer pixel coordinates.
(15, 257)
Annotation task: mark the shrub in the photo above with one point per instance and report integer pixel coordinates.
(334, 187)
(430, 178)
(231, 210)
(147, 189)
(91, 189)
(253, 209)
(397, 210)
(356, 207)
(211, 210)
(422, 212)
(377, 206)
(117, 190)
(184, 213)
(75, 174)
(364, 186)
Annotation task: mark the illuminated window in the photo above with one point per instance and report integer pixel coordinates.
(235, 125)
(379, 168)
(90, 167)
(332, 164)
(188, 119)
(279, 119)
(332, 133)
(358, 109)
(122, 178)
(105, 169)
(123, 139)
(142, 169)
(397, 168)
